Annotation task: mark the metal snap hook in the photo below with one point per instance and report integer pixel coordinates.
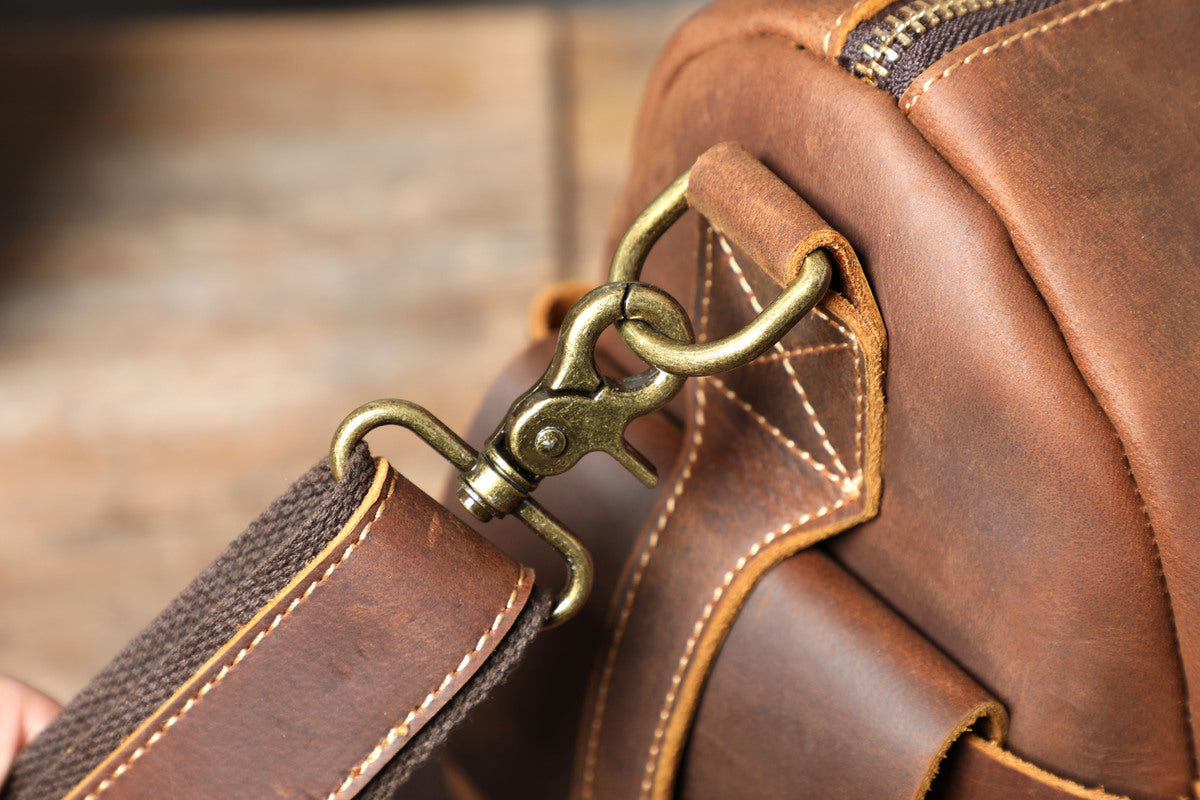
(573, 409)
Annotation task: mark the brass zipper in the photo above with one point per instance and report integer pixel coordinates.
(900, 28)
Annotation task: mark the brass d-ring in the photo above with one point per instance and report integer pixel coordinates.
(708, 358)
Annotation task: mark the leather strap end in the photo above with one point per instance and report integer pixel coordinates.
(370, 640)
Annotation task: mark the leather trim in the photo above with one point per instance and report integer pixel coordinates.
(955, 61)
(1112, 217)
(338, 672)
(834, 40)
(439, 694)
(981, 770)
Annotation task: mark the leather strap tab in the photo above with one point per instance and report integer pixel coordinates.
(753, 207)
(338, 671)
(779, 454)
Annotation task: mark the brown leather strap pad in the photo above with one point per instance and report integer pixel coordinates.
(338, 671)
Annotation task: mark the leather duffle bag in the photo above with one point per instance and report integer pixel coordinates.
(902, 326)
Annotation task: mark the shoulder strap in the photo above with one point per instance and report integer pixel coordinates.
(342, 681)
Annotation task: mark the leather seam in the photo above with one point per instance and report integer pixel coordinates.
(816, 349)
(859, 389)
(690, 646)
(1078, 13)
(1189, 723)
(587, 787)
(1172, 625)
(665, 89)
(1033, 771)
(774, 431)
(1070, 355)
(226, 669)
(851, 487)
(993, 715)
(402, 729)
(798, 387)
(1166, 590)
(837, 24)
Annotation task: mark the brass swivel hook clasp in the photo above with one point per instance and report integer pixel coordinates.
(572, 410)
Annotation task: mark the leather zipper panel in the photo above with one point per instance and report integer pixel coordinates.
(896, 45)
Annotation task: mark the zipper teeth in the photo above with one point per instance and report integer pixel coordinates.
(903, 25)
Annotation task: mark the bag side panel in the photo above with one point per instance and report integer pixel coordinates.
(1094, 168)
(1010, 533)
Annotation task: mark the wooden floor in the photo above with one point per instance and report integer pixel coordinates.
(218, 235)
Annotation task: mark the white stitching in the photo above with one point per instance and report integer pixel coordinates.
(837, 23)
(852, 486)
(991, 48)
(779, 435)
(689, 648)
(401, 730)
(227, 668)
(837, 326)
(587, 788)
(860, 391)
(810, 350)
(797, 387)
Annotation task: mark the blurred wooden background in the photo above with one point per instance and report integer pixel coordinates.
(219, 234)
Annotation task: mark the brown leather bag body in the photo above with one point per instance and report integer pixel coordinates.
(939, 541)
(1022, 186)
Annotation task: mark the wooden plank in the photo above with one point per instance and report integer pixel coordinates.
(612, 50)
(219, 236)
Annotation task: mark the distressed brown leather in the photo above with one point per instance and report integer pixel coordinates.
(338, 672)
(1109, 231)
(1027, 216)
(751, 206)
(528, 727)
(979, 770)
(1009, 532)
(1028, 219)
(857, 704)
